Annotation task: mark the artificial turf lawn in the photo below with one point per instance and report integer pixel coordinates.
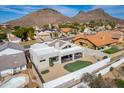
(71, 67)
(112, 50)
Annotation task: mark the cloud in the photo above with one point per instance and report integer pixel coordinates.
(114, 10)
(65, 10)
(13, 10)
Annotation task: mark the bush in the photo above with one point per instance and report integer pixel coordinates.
(120, 83)
(3, 36)
(105, 57)
(30, 65)
(51, 64)
(45, 71)
(111, 69)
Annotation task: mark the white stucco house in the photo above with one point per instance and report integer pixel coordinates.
(57, 51)
(12, 59)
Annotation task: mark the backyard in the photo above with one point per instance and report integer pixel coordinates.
(71, 67)
(112, 50)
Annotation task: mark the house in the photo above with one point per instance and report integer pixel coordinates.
(44, 35)
(66, 30)
(12, 59)
(55, 52)
(12, 38)
(100, 40)
(88, 31)
(5, 26)
(100, 28)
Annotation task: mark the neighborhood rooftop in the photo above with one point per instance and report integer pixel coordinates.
(10, 45)
(61, 43)
(101, 38)
(12, 61)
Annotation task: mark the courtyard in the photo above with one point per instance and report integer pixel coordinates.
(58, 70)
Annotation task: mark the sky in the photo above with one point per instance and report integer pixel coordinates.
(11, 12)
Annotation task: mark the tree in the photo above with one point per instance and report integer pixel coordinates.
(88, 78)
(111, 69)
(112, 24)
(24, 33)
(3, 36)
(98, 82)
(31, 33)
(46, 27)
(56, 35)
(16, 27)
(95, 81)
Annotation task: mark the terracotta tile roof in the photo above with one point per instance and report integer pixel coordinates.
(66, 30)
(101, 38)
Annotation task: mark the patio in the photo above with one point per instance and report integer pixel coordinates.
(58, 70)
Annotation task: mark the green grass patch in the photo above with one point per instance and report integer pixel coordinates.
(71, 67)
(45, 71)
(120, 83)
(112, 50)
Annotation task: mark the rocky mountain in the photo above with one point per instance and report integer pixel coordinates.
(39, 18)
(97, 14)
(47, 16)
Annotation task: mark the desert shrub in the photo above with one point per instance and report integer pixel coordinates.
(45, 71)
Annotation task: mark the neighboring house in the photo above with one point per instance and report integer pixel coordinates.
(12, 38)
(57, 51)
(66, 30)
(100, 28)
(5, 26)
(88, 31)
(12, 59)
(100, 40)
(44, 35)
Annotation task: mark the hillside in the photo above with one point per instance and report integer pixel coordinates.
(51, 16)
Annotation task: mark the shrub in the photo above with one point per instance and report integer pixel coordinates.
(29, 65)
(111, 69)
(45, 71)
(3, 36)
(51, 64)
(105, 57)
(120, 83)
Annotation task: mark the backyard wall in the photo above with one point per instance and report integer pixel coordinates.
(91, 52)
(107, 69)
(76, 75)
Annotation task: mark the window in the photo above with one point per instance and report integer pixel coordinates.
(42, 60)
(68, 46)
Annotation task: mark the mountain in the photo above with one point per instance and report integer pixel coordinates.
(97, 14)
(39, 18)
(47, 16)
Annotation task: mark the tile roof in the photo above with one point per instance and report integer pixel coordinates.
(11, 45)
(12, 61)
(101, 38)
(66, 30)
